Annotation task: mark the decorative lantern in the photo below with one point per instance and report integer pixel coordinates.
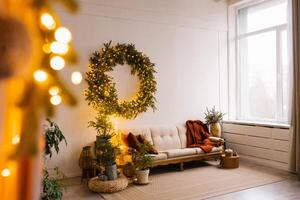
(86, 163)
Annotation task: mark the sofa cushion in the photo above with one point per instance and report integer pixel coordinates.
(172, 153)
(217, 149)
(138, 131)
(216, 139)
(182, 134)
(214, 149)
(165, 138)
(133, 142)
(143, 140)
(159, 156)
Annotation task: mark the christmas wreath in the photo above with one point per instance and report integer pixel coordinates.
(101, 92)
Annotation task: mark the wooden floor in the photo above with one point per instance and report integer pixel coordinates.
(288, 189)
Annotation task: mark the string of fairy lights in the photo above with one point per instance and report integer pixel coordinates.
(55, 51)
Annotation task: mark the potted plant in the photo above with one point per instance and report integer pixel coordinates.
(107, 154)
(104, 129)
(52, 187)
(213, 119)
(142, 162)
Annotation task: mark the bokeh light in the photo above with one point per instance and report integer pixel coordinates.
(48, 21)
(57, 63)
(76, 78)
(59, 48)
(40, 75)
(63, 35)
(55, 100)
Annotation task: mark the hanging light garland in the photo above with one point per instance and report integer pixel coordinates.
(46, 90)
(39, 33)
(57, 51)
(101, 92)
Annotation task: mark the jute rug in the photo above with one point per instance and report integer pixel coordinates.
(196, 183)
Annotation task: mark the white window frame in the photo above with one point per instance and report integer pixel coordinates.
(233, 55)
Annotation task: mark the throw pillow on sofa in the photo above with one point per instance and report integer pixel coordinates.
(133, 142)
(143, 140)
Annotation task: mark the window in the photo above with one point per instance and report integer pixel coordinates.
(262, 72)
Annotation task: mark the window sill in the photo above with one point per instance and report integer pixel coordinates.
(260, 124)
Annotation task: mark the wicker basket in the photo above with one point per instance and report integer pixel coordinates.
(96, 185)
(230, 162)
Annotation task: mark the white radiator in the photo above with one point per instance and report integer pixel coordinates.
(264, 145)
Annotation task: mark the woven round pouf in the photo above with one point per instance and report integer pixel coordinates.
(96, 185)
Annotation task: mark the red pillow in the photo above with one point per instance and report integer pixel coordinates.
(133, 142)
(124, 139)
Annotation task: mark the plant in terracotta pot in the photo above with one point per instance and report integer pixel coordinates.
(142, 162)
(213, 119)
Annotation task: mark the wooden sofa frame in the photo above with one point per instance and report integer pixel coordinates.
(181, 160)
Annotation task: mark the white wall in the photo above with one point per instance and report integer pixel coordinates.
(187, 40)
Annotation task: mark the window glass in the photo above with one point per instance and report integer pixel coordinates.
(285, 75)
(258, 76)
(261, 16)
(263, 83)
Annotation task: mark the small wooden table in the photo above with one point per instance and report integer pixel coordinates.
(96, 185)
(229, 162)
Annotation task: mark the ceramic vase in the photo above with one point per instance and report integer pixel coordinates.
(215, 129)
(111, 172)
(142, 176)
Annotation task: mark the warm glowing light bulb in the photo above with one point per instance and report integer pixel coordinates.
(63, 35)
(76, 78)
(54, 90)
(46, 48)
(55, 100)
(15, 139)
(5, 172)
(40, 75)
(48, 21)
(57, 63)
(59, 48)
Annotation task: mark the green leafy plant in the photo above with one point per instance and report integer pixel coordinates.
(102, 124)
(141, 159)
(213, 116)
(52, 187)
(53, 137)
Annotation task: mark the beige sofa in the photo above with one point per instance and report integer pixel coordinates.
(170, 142)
